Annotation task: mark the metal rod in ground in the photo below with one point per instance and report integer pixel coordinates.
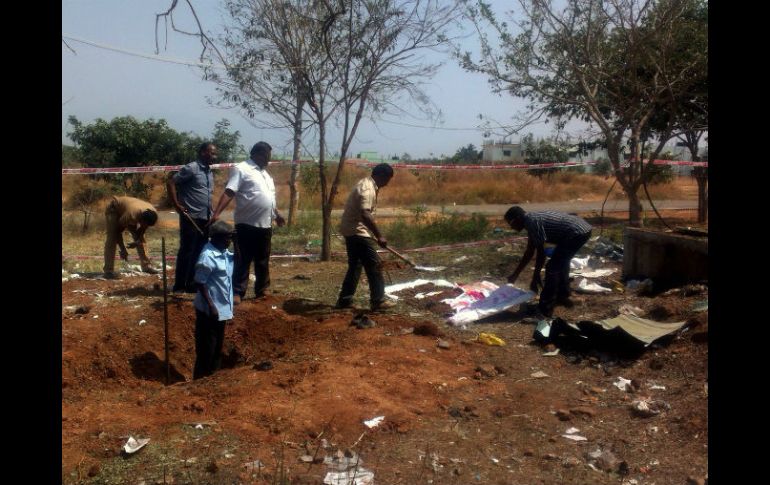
(165, 307)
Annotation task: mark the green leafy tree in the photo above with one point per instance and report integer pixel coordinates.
(226, 141)
(125, 141)
(541, 151)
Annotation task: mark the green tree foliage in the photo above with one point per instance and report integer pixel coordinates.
(543, 151)
(125, 141)
(467, 155)
(69, 156)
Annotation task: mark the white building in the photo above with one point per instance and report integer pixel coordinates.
(501, 152)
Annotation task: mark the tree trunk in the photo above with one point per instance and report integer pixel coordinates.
(326, 207)
(634, 208)
(293, 192)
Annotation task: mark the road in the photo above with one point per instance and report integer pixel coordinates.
(499, 209)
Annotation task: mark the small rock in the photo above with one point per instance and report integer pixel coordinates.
(443, 344)
(563, 415)
(529, 453)
(212, 467)
(696, 481)
(486, 370)
(551, 456)
(549, 348)
(583, 411)
(306, 458)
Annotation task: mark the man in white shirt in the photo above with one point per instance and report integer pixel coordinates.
(255, 208)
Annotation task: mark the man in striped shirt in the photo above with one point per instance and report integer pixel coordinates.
(568, 232)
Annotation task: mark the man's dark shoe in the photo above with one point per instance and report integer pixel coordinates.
(342, 305)
(111, 275)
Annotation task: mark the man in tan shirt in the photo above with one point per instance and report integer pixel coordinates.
(132, 215)
(361, 231)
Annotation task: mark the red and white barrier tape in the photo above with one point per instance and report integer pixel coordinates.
(367, 163)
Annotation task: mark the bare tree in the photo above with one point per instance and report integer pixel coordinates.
(268, 48)
(613, 63)
(373, 47)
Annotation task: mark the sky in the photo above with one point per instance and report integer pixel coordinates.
(102, 83)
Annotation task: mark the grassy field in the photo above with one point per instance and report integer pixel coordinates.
(410, 188)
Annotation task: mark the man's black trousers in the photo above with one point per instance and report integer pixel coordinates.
(362, 251)
(252, 244)
(556, 284)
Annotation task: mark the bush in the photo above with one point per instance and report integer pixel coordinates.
(443, 230)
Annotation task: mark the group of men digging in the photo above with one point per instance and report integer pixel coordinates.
(205, 266)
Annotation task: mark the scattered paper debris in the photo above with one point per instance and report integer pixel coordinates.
(574, 437)
(133, 445)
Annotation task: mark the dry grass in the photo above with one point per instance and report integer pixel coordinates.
(410, 188)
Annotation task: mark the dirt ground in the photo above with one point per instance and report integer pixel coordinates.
(469, 413)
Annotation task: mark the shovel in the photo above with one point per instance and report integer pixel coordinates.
(412, 263)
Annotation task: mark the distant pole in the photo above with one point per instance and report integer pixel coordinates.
(165, 307)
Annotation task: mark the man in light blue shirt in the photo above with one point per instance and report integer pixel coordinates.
(214, 301)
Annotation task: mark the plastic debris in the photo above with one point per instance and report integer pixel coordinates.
(575, 437)
(647, 408)
(374, 422)
(490, 339)
(474, 305)
(623, 384)
(585, 287)
(133, 445)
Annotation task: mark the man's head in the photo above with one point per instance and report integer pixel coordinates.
(260, 153)
(149, 217)
(221, 234)
(515, 217)
(207, 153)
(382, 174)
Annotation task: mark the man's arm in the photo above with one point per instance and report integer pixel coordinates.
(278, 218)
(224, 201)
(171, 188)
(368, 220)
(525, 259)
(122, 246)
(205, 292)
(537, 283)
